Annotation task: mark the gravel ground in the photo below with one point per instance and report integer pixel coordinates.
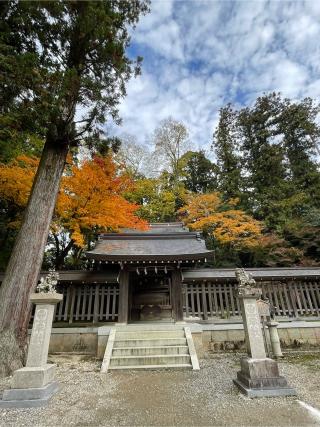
(170, 398)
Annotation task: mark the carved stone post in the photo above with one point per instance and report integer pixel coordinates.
(259, 375)
(34, 385)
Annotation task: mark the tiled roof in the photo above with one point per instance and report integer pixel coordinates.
(165, 242)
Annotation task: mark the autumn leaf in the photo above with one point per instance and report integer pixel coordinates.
(90, 197)
(229, 226)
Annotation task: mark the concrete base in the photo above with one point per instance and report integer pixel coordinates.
(29, 397)
(260, 378)
(33, 377)
(265, 392)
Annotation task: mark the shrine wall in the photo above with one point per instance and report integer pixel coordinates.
(207, 338)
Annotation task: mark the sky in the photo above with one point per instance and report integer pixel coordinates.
(200, 55)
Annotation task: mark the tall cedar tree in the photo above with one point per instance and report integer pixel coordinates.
(199, 172)
(63, 68)
(277, 141)
(263, 156)
(228, 161)
(298, 123)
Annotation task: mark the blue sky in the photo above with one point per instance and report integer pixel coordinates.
(199, 55)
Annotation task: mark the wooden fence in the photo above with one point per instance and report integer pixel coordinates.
(88, 303)
(85, 303)
(288, 299)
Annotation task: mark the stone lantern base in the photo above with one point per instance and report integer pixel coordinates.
(260, 378)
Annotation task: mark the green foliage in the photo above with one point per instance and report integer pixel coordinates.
(270, 147)
(228, 160)
(158, 203)
(263, 156)
(301, 131)
(59, 57)
(14, 141)
(199, 173)
(266, 156)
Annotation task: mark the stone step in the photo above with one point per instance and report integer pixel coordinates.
(151, 326)
(149, 342)
(143, 334)
(158, 359)
(147, 351)
(155, 367)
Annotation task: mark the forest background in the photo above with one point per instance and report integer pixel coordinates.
(257, 202)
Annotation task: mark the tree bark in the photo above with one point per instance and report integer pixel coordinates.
(23, 270)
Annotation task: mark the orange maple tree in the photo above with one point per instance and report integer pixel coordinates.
(221, 220)
(90, 198)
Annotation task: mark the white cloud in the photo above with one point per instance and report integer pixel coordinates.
(200, 55)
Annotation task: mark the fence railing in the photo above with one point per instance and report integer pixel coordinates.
(85, 303)
(88, 303)
(288, 299)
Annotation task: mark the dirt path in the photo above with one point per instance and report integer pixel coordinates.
(171, 398)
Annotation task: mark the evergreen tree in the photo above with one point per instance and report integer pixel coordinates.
(301, 132)
(57, 58)
(199, 172)
(228, 161)
(263, 157)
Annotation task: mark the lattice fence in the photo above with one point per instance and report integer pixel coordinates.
(210, 299)
(88, 303)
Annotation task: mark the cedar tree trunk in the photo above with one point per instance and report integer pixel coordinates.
(23, 270)
(26, 259)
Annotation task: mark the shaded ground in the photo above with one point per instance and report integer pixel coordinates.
(171, 398)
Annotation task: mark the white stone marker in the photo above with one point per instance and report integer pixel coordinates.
(252, 327)
(41, 328)
(259, 375)
(34, 385)
(274, 338)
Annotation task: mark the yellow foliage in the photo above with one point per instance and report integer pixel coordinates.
(200, 206)
(227, 225)
(16, 180)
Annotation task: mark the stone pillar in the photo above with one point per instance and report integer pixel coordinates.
(252, 327)
(259, 375)
(274, 338)
(34, 385)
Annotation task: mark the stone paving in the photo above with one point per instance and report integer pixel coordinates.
(170, 398)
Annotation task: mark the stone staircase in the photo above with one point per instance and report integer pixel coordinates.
(150, 347)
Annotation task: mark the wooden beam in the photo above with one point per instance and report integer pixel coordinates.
(73, 297)
(123, 296)
(176, 295)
